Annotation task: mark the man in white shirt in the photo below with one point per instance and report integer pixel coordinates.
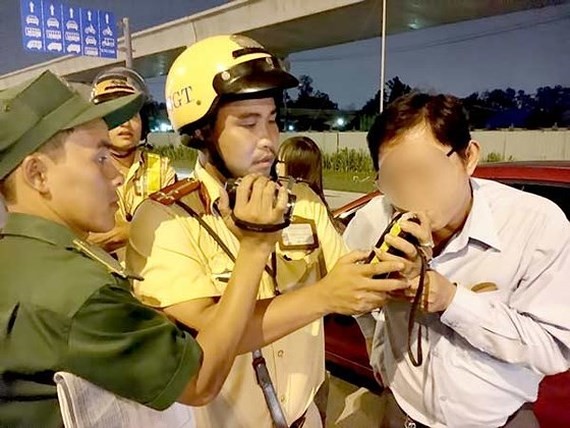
(494, 314)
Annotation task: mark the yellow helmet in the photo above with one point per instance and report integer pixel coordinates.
(117, 82)
(216, 67)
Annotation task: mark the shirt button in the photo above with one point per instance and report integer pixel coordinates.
(280, 353)
(444, 399)
(282, 398)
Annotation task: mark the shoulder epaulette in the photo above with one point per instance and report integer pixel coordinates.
(104, 258)
(176, 191)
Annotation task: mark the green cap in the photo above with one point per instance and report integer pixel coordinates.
(33, 112)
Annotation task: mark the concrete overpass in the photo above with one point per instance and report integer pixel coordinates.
(283, 26)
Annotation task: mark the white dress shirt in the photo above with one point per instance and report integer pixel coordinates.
(486, 354)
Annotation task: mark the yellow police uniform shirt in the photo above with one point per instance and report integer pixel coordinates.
(180, 261)
(148, 174)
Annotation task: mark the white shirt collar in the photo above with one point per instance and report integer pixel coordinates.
(479, 226)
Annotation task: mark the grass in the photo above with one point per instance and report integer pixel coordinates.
(348, 181)
(348, 160)
(497, 157)
(181, 157)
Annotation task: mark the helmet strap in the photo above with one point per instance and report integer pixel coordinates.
(217, 160)
(124, 153)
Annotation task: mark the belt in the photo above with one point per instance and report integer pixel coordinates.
(396, 416)
(411, 423)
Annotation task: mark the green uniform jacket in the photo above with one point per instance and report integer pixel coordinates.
(66, 306)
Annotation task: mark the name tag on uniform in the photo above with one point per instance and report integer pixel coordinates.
(300, 235)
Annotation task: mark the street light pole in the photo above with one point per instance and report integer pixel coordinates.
(383, 57)
(128, 43)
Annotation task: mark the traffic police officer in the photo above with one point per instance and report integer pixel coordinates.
(144, 172)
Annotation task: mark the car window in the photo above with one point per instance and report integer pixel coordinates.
(560, 195)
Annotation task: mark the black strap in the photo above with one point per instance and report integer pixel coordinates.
(414, 311)
(214, 235)
(260, 228)
(269, 393)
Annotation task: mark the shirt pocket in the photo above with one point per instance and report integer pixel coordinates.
(221, 268)
(296, 268)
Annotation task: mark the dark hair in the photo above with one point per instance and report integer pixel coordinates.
(444, 114)
(303, 159)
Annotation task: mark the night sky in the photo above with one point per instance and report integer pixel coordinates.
(522, 50)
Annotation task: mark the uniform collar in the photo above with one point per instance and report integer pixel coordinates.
(138, 162)
(39, 228)
(212, 186)
(480, 225)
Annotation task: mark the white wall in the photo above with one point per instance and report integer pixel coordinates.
(520, 145)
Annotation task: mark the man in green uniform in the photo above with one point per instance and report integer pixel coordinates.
(66, 305)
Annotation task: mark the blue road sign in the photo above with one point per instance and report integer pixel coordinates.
(90, 32)
(50, 26)
(71, 30)
(53, 27)
(32, 25)
(107, 35)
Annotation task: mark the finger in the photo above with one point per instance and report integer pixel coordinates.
(383, 256)
(372, 301)
(424, 219)
(268, 197)
(411, 293)
(243, 191)
(257, 188)
(224, 203)
(372, 269)
(384, 285)
(423, 229)
(353, 257)
(281, 203)
(414, 284)
(404, 246)
(422, 233)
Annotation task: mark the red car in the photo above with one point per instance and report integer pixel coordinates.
(345, 348)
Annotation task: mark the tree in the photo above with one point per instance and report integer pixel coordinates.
(496, 108)
(310, 99)
(552, 107)
(394, 89)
